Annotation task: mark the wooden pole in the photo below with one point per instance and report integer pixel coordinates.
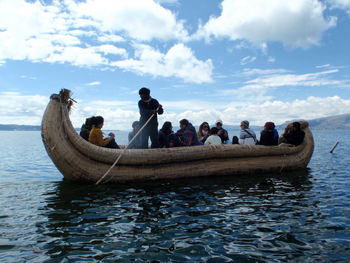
(335, 145)
(120, 155)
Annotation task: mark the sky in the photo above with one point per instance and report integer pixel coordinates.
(234, 60)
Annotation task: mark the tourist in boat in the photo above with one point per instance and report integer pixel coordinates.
(247, 136)
(187, 133)
(136, 143)
(167, 137)
(149, 107)
(293, 135)
(86, 128)
(269, 135)
(96, 135)
(203, 132)
(214, 138)
(223, 134)
(235, 140)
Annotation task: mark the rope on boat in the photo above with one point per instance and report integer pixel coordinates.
(121, 154)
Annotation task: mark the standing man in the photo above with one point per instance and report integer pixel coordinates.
(148, 107)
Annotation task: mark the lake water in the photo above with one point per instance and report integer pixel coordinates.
(293, 217)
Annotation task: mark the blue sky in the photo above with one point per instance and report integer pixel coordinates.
(261, 60)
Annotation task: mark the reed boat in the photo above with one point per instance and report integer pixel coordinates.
(79, 160)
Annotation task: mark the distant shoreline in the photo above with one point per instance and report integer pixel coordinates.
(341, 122)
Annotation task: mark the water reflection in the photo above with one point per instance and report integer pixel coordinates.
(204, 219)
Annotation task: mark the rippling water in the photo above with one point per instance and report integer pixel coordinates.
(293, 217)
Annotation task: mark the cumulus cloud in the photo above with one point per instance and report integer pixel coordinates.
(68, 32)
(16, 108)
(29, 109)
(179, 62)
(297, 23)
(142, 20)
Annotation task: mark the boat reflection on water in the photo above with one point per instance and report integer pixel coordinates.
(236, 218)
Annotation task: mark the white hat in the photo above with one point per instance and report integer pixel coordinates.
(219, 121)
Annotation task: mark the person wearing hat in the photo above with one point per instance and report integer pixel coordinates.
(149, 107)
(223, 134)
(269, 135)
(247, 136)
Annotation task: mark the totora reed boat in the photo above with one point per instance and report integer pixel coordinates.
(79, 160)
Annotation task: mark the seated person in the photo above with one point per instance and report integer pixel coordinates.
(136, 143)
(86, 128)
(269, 135)
(187, 133)
(293, 135)
(96, 136)
(247, 136)
(214, 138)
(167, 137)
(222, 132)
(203, 132)
(235, 140)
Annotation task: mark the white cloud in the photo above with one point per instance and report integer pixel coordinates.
(247, 72)
(279, 111)
(257, 89)
(66, 31)
(247, 60)
(94, 83)
(297, 23)
(142, 20)
(77, 56)
(179, 62)
(324, 66)
(16, 108)
(342, 4)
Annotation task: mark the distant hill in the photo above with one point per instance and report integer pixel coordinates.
(332, 122)
(15, 127)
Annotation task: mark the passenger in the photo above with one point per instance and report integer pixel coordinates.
(269, 135)
(293, 134)
(235, 140)
(86, 128)
(136, 143)
(203, 132)
(247, 136)
(214, 138)
(149, 106)
(96, 136)
(167, 137)
(187, 133)
(222, 132)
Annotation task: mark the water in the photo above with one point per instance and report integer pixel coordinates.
(294, 217)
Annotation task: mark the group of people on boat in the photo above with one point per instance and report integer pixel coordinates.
(147, 128)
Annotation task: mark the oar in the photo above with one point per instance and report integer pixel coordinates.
(120, 155)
